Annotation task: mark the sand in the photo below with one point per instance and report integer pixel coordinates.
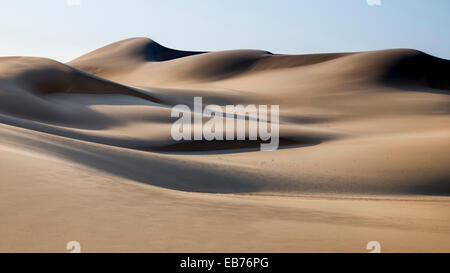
(87, 154)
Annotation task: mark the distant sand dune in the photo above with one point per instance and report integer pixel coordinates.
(140, 57)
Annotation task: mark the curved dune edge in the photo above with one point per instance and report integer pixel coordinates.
(42, 76)
(356, 123)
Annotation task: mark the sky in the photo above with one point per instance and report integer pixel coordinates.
(66, 29)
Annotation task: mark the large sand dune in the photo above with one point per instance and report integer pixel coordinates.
(87, 152)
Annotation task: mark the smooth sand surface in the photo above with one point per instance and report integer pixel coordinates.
(87, 154)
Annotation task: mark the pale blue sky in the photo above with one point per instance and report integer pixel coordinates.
(51, 28)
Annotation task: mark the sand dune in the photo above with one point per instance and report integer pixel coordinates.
(356, 129)
(133, 60)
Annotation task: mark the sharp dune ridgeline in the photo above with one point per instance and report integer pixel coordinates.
(364, 148)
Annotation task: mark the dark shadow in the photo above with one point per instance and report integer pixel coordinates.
(419, 72)
(225, 146)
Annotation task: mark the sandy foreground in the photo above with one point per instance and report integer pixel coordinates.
(86, 153)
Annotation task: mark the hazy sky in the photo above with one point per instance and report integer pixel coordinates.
(55, 29)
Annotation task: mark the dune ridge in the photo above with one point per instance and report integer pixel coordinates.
(144, 56)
